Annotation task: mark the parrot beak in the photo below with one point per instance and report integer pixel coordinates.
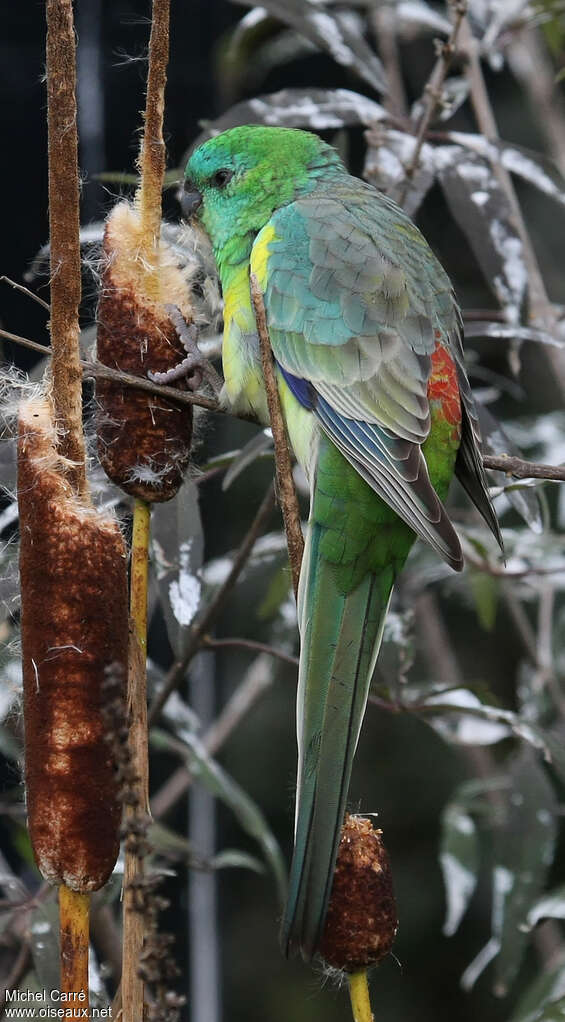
(190, 199)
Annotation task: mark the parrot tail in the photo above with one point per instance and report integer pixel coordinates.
(340, 638)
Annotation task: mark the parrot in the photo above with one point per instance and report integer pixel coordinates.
(366, 339)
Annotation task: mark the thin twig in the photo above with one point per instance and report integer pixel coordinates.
(433, 91)
(25, 291)
(178, 669)
(523, 469)
(98, 371)
(17, 972)
(285, 481)
(256, 647)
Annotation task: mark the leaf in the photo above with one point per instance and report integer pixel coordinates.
(177, 549)
(515, 332)
(549, 906)
(389, 153)
(545, 993)
(496, 441)
(219, 783)
(459, 860)
(414, 14)
(533, 167)
(167, 842)
(483, 213)
(524, 843)
(485, 591)
(463, 719)
(233, 858)
(331, 33)
(316, 109)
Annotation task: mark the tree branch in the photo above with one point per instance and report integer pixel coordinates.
(433, 90)
(285, 482)
(521, 469)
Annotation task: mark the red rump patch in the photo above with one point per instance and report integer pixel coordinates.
(443, 386)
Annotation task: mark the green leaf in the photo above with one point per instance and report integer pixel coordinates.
(330, 33)
(485, 591)
(233, 858)
(547, 990)
(549, 906)
(219, 783)
(277, 592)
(524, 843)
(459, 860)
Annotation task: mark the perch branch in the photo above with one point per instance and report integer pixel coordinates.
(521, 469)
(285, 481)
(507, 463)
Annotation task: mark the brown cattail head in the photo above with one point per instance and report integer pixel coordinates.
(361, 922)
(143, 440)
(74, 623)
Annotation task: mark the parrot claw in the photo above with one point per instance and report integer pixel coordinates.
(195, 367)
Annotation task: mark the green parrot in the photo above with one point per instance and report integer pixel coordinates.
(366, 340)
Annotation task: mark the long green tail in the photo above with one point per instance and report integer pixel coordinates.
(340, 638)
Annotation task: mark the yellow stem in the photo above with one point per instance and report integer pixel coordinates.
(359, 994)
(139, 567)
(74, 912)
(134, 923)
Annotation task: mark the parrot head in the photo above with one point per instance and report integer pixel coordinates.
(236, 180)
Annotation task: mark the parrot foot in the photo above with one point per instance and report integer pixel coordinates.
(195, 367)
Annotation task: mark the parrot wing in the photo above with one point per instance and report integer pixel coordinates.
(355, 303)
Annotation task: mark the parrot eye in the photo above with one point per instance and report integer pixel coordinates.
(221, 178)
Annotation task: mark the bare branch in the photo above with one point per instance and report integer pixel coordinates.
(251, 644)
(25, 291)
(521, 469)
(433, 90)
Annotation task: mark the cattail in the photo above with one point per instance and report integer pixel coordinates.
(143, 440)
(74, 622)
(361, 921)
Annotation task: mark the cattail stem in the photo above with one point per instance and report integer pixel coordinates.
(65, 280)
(152, 154)
(74, 912)
(139, 569)
(359, 995)
(133, 989)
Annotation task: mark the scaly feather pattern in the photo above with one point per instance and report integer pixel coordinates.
(366, 338)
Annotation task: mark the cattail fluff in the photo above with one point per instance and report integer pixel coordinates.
(74, 623)
(144, 440)
(361, 921)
